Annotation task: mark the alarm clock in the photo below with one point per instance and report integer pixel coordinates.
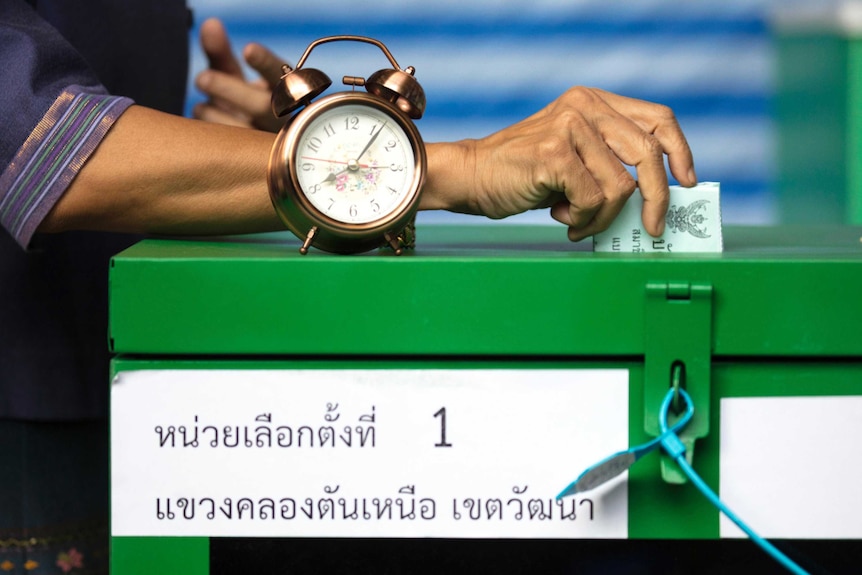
(346, 171)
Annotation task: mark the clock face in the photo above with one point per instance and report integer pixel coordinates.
(355, 163)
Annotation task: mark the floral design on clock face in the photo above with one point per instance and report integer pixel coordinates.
(355, 163)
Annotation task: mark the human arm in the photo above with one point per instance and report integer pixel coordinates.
(193, 177)
(570, 156)
(54, 112)
(68, 163)
(54, 107)
(160, 173)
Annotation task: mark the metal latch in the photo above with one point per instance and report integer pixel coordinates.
(678, 351)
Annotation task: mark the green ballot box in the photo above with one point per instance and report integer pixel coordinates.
(273, 412)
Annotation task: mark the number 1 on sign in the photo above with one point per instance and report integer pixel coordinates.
(441, 413)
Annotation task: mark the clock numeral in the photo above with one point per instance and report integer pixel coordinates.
(390, 145)
(313, 189)
(351, 123)
(396, 167)
(315, 143)
(331, 203)
(307, 167)
(353, 211)
(375, 207)
(329, 130)
(393, 190)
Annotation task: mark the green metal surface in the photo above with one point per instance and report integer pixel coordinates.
(657, 509)
(481, 290)
(678, 352)
(777, 314)
(651, 500)
(853, 159)
(162, 555)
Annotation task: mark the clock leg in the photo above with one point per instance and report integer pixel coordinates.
(394, 243)
(309, 237)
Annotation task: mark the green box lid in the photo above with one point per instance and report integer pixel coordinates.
(483, 290)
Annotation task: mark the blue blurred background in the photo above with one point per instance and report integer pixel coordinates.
(485, 64)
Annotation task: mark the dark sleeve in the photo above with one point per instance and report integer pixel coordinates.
(53, 112)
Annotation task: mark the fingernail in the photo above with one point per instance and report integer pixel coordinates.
(692, 177)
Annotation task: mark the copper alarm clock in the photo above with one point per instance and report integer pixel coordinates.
(346, 171)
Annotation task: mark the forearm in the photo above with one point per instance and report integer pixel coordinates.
(159, 173)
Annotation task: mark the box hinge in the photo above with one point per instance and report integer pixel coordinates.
(678, 351)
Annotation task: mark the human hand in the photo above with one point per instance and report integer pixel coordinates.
(233, 100)
(572, 155)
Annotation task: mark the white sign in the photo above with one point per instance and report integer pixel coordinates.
(366, 453)
(791, 467)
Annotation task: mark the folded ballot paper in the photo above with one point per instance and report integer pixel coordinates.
(693, 224)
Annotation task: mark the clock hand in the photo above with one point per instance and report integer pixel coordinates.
(371, 141)
(334, 161)
(331, 177)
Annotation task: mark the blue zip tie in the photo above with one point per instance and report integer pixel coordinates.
(614, 465)
(670, 444)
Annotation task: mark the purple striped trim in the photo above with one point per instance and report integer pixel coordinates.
(52, 156)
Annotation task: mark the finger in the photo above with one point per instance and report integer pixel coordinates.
(583, 196)
(210, 113)
(652, 180)
(608, 211)
(585, 199)
(265, 62)
(660, 121)
(615, 183)
(216, 46)
(231, 93)
(560, 212)
(679, 156)
(601, 221)
(577, 214)
(642, 150)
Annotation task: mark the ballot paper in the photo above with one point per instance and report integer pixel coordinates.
(693, 224)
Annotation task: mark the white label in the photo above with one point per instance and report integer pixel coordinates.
(365, 453)
(692, 224)
(791, 467)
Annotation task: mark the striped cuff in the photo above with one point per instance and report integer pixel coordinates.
(49, 160)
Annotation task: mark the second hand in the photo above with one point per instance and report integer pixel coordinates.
(335, 162)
